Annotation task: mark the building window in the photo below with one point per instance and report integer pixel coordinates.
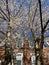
(0, 61)
(31, 44)
(19, 57)
(18, 62)
(19, 43)
(33, 58)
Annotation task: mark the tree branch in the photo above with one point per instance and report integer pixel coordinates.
(34, 13)
(19, 9)
(46, 25)
(7, 8)
(40, 15)
(2, 18)
(2, 32)
(3, 13)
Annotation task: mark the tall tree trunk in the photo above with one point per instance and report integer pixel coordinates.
(42, 34)
(41, 51)
(14, 60)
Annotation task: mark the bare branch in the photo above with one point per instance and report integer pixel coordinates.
(2, 32)
(2, 18)
(19, 8)
(46, 25)
(4, 13)
(40, 15)
(34, 13)
(7, 8)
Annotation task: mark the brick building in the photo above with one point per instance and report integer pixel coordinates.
(2, 55)
(19, 55)
(46, 52)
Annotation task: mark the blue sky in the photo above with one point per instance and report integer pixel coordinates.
(29, 34)
(47, 2)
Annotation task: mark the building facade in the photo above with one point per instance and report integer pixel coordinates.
(46, 52)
